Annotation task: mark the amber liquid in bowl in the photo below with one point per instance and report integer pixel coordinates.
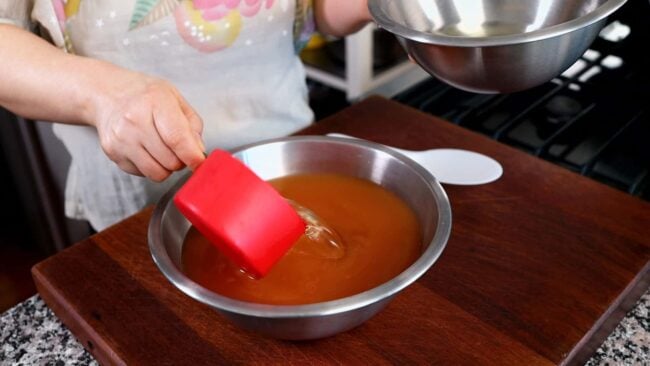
(381, 238)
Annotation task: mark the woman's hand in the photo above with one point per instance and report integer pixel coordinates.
(146, 127)
(341, 17)
(144, 124)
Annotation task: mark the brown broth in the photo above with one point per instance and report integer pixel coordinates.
(380, 232)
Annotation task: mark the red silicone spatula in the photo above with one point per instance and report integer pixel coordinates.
(244, 216)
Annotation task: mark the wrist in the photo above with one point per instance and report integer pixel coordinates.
(101, 85)
(87, 89)
(365, 12)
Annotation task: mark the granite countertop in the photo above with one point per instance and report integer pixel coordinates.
(30, 334)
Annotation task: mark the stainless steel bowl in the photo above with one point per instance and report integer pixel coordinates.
(292, 155)
(494, 46)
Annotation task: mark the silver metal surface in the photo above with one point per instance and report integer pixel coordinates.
(494, 46)
(292, 155)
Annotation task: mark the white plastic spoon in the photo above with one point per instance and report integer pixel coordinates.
(452, 166)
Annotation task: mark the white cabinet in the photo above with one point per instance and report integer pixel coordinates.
(359, 79)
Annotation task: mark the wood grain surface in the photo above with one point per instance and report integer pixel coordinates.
(540, 267)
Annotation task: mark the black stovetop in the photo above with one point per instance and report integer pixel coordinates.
(594, 119)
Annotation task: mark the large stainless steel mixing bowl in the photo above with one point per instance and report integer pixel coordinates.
(277, 158)
(491, 46)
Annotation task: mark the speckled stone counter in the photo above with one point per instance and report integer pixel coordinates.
(30, 334)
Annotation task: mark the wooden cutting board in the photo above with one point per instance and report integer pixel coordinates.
(540, 267)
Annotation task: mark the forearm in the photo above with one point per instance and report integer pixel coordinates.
(39, 81)
(143, 123)
(341, 17)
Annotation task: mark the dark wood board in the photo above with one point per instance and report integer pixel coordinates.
(541, 265)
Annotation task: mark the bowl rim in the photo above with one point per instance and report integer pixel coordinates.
(384, 21)
(360, 300)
